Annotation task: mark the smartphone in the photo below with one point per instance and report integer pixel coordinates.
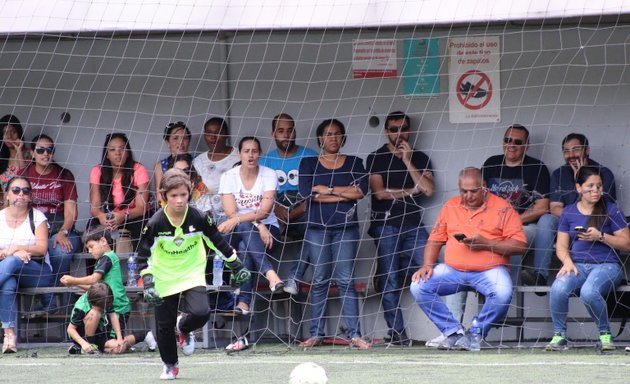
(459, 236)
(580, 229)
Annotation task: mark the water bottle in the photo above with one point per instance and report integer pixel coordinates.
(217, 271)
(475, 335)
(132, 271)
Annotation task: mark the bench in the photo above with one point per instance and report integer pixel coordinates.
(520, 318)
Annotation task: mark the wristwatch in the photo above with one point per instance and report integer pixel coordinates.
(601, 236)
(330, 190)
(64, 231)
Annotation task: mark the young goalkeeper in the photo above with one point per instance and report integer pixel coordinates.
(172, 262)
(98, 242)
(89, 329)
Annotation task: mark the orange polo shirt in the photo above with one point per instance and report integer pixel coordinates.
(494, 220)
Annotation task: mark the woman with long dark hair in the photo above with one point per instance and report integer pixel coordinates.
(590, 233)
(12, 156)
(119, 188)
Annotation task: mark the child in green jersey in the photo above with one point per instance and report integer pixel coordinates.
(98, 242)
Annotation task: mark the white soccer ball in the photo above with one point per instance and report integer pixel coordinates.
(308, 373)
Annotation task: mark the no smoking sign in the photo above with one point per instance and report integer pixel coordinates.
(474, 89)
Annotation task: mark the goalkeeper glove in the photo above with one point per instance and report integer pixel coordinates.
(151, 296)
(240, 275)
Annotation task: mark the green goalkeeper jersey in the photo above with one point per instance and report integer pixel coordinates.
(109, 266)
(176, 255)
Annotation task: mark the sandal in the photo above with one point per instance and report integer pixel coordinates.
(360, 343)
(311, 342)
(240, 344)
(278, 287)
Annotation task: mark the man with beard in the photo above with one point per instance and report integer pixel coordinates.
(524, 182)
(400, 179)
(575, 150)
(289, 208)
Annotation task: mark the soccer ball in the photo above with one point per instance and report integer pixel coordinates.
(308, 373)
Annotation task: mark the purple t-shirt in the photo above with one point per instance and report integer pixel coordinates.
(583, 251)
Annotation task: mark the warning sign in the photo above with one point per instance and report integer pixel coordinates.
(474, 80)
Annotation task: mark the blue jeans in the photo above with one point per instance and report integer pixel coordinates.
(14, 273)
(333, 252)
(254, 255)
(302, 261)
(495, 284)
(400, 253)
(546, 229)
(593, 283)
(60, 260)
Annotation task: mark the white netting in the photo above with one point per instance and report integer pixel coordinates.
(555, 78)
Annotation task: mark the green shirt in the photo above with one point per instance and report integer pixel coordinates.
(109, 266)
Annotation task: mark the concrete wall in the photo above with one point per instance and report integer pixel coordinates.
(553, 80)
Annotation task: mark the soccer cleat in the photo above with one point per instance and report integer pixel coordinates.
(605, 342)
(74, 350)
(435, 342)
(188, 343)
(291, 287)
(149, 339)
(557, 343)
(170, 372)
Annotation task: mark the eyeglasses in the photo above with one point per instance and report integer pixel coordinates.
(24, 190)
(509, 140)
(42, 150)
(400, 128)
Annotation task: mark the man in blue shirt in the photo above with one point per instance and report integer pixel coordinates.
(400, 179)
(289, 209)
(575, 149)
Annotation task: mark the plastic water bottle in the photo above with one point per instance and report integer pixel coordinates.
(217, 271)
(132, 271)
(475, 335)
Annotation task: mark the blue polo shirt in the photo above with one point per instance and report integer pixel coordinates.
(563, 184)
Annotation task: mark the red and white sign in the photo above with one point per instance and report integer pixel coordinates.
(474, 80)
(374, 58)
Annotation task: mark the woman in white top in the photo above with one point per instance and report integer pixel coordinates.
(219, 158)
(23, 253)
(248, 193)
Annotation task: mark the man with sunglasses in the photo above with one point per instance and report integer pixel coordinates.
(524, 182)
(289, 209)
(400, 179)
(575, 150)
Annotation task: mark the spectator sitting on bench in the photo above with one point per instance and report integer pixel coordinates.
(589, 233)
(98, 242)
(89, 331)
(23, 254)
(481, 231)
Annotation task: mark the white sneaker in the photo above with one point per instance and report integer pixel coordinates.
(186, 341)
(435, 342)
(170, 372)
(149, 339)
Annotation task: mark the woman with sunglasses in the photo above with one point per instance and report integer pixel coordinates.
(55, 195)
(23, 253)
(591, 232)
(177, 139)
(119, 188)
(12, 148)
(335, 183)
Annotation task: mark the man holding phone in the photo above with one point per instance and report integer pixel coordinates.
(400, 179)
(524, 182)
(490, 231)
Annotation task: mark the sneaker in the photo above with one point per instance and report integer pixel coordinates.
(435, 342)
(74, 350)
(240, 344)
(170, 372)
(557, 343)
(149, 339)
(451, 341)
(627, 349)
(291, 287)
(399, 339)
(606, 343)
(186, 340)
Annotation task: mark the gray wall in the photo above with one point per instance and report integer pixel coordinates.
(554, 81)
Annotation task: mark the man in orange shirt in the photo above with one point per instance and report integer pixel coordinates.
(481, 231)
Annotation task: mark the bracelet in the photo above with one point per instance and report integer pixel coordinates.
(238, 218)
(256, 224)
